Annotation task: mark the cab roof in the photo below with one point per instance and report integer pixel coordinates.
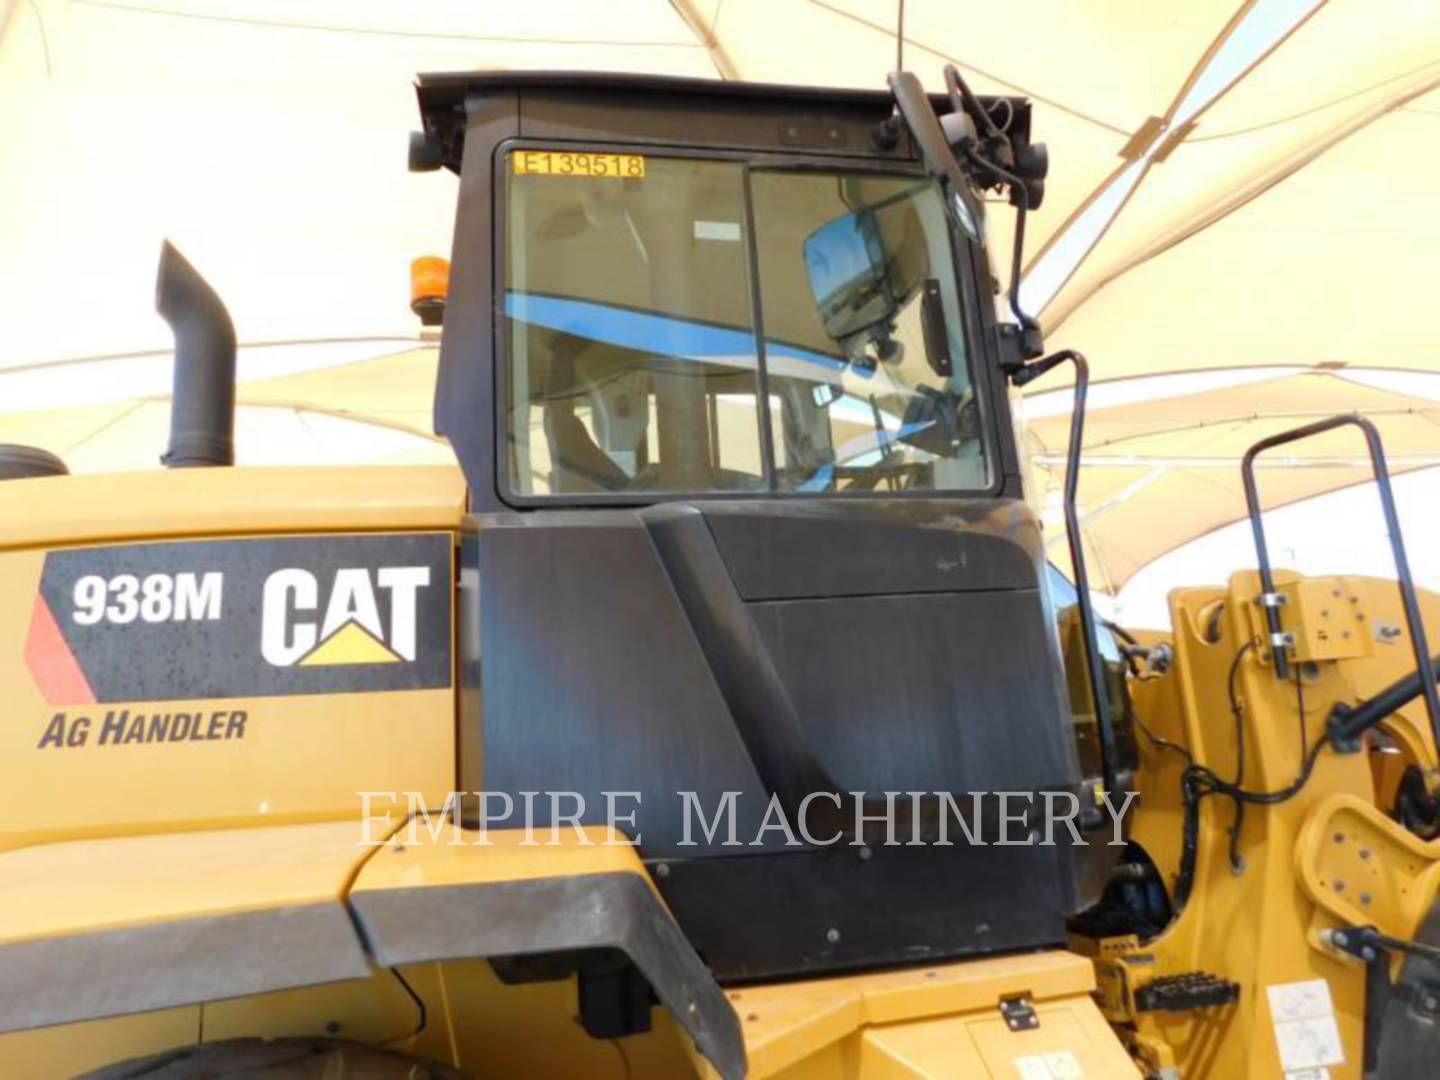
(442, 97)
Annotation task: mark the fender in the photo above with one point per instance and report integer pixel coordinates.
(116, 926)
(503, 893)
(108, 927)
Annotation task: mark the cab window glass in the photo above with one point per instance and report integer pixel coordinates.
(866, 345)
(632, 358)
(634, 364)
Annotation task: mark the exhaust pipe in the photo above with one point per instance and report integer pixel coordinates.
(202, 406)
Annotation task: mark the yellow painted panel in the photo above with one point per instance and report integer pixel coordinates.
(84, 885)
(69, 1049)
(373, 1010)
(1070, 1034)
(786, 1023)
(454, 856)
(71, 510)
(283, 758)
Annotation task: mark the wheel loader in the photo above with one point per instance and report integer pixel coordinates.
(717, 713)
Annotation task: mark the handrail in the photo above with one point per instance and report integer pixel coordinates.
(1270, 598)
(1109, 753)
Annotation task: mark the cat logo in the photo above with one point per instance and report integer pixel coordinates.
(177, 620)
(293, 632)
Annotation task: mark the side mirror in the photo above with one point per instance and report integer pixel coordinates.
(850, 275)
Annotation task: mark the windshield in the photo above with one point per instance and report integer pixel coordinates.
(655, 346)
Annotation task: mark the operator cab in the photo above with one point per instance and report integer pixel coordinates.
(722, 367)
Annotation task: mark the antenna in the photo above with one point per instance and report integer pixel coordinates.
(900, 36)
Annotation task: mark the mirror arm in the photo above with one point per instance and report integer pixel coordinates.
(1032, 342)
(924, 125)
(959, 87)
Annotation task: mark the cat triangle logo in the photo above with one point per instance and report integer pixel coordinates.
(351, 644)
(356, 628)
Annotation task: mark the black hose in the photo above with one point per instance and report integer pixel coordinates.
(1348, 722)
(1198, 781)
(1239, 820)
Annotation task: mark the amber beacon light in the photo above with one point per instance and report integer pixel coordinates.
(429, 283)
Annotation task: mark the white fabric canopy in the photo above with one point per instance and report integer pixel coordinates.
(1234, 185)
(266, 139)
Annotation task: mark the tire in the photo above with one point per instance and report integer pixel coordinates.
(277, 1059)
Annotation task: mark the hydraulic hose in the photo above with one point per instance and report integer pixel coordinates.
(1348, 722)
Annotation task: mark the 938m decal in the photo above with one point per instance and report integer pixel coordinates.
(243, 618)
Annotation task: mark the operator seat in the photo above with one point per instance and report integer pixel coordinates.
(576, 463)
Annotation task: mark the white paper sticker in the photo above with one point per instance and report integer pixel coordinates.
(1305, 1030)
(717, 230)
(1060, 1065)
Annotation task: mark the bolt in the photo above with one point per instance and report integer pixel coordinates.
(1365, 854)
(1367, 954)
(1365, 898)
(832, 935)
(866, 852)
(752, 1017)
(332, 1027)
(662, 869)
(399, 849)
(1339, 886)
(1339, 939)
(1428, 1003)
(1339, 838)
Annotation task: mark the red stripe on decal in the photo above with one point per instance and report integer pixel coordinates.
(52, 663)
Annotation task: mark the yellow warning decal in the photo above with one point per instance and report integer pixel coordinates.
(577, 163)
(351, 644)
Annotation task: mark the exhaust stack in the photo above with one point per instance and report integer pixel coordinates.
(202, 409)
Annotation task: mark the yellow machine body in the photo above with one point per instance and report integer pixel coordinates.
(249, 832)
(261, 833)
(243, 760)
(930, 1022)
(1325, 859)
(257, 857)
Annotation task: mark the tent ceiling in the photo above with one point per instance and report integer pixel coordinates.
(266, 139)
(1160, 472)
(1289, 226)
(1136, 58)
(1347, 67)
(1332, 266)
(371, 410)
